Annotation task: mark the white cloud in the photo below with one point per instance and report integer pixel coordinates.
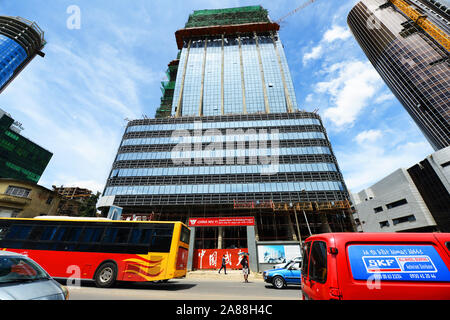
(352, 86)
(336, 33)
(315, 53)
(383, 97)
(368, 163)
(75, 104)
(368, 136)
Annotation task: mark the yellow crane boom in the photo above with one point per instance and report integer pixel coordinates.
(429, 27)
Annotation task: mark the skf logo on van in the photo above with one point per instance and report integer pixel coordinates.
(381, 264)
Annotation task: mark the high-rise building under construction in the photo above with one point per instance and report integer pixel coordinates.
(234, 143)
(408, 43)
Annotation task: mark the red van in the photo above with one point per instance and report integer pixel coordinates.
(376, 266)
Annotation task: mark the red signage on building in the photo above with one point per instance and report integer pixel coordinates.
(222, 222)
(212, 258)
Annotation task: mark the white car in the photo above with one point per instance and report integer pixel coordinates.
(23, 279)
(282, 265)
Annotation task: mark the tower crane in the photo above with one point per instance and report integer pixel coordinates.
(304, 5)
(421, 20)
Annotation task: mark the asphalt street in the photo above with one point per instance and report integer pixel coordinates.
(200, 287)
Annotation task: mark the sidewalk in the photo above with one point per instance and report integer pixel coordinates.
(232, 275)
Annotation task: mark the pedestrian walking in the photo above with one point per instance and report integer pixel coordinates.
(245, 268)
(224, 265)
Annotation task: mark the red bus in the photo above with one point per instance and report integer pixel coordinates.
(100, 249)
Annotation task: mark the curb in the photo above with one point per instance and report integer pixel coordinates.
(231, 275)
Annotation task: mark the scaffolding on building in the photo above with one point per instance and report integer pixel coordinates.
(167, 89)
(229, 16)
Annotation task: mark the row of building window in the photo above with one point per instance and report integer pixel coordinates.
(206, 154)
(409, 218)
(198, 125)
(216, 170)
(18, 192)
(184, 137)
(226, 188)
(11, 56)
(391, 205)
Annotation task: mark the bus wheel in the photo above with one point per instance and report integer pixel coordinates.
(106, 275)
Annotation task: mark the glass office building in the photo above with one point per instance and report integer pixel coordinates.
(20, 158)
(20, 41)
(408, 44)
(236, 143)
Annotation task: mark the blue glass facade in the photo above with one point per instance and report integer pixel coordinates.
(233, 75)
(20, 41)
(261, 157)
(12, 55)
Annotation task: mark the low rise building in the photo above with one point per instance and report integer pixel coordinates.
(22, 199)
(73, 199)
(414, 199)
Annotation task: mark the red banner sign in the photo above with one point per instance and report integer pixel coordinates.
(212, 258)
(222, 222)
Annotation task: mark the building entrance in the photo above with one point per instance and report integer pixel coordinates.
(216, 238)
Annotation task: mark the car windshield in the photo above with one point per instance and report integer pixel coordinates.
(18, 269)
(290, 262)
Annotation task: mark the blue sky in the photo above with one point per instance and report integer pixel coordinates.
(74, 102)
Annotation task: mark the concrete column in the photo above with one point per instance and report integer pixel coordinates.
(263, 80)
(191, 249)
(200, 107)
(180, 97)
(283, 78)
(325, 225)
(222, 80)
(291, 230)
(242, 77)
(251, 243)
(220, 238)
(256, 232)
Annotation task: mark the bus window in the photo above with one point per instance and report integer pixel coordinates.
(36, 233)
(318, 262)
(18, 232)
(71, 238)
(73, 234)
(140, 236)
(59, 234)
(3, 230)
(48, 233)
(122, 235)
(185, 234)
(116, 235)
(160, 244)
(92, 235)
(16, 235)
(43, 242)
(110, 235)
